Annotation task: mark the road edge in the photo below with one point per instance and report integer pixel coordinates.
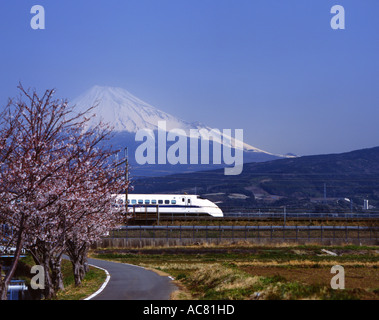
(103, 285)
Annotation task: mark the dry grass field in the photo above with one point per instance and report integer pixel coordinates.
(242, 272)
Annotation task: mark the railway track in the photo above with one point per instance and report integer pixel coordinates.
(275, 217)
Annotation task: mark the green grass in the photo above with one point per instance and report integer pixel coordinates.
(92, 282)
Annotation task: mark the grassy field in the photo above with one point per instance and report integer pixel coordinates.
(242, 272)
(91, 283)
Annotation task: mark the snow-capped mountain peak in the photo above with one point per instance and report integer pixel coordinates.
(124, 111)
(127, 113)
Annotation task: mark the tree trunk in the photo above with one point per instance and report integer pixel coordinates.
(3, 290)
(78, 271)
(49, 291)
(42, 257)
(78, 256)
(56, 272)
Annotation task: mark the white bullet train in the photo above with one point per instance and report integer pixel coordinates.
(177, 204)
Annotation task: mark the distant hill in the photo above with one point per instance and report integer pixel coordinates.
(348, 179)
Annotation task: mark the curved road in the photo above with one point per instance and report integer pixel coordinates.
(128, 282)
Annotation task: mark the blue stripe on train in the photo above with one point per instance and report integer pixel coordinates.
(160, 205)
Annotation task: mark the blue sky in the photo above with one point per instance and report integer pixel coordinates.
(274, 68)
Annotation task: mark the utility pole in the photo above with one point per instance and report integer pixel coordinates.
(126, 177)
(285, 215)
(125, 161)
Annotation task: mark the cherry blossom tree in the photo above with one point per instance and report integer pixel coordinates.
(96, 211)
(54, 176)
(83, 213)
(33, 158)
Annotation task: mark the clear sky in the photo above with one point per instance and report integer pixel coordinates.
(274, 68)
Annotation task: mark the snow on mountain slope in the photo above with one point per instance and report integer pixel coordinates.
(124, 111)
(127, 113)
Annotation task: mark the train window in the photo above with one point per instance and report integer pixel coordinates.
(183, 200)
(189, 201)
(134, 201)
(167, 201)
(173, 201)
(140, 201)
(120, 201)
(147, 201)
(153, 201)
(160, 201)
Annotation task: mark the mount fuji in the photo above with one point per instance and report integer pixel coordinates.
(128, 114)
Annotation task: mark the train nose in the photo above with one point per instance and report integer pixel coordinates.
(217, 212)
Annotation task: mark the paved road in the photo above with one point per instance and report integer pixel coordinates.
(129, 282)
